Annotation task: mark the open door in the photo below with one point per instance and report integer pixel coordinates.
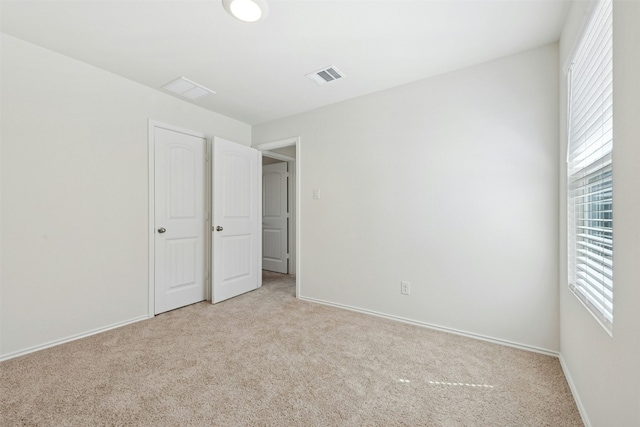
(236, 258)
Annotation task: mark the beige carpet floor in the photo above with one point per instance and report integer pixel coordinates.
(268, 359)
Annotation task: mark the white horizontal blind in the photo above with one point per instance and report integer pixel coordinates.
(590, 201)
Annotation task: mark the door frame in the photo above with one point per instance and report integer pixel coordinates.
(287, 142)
(152, 125)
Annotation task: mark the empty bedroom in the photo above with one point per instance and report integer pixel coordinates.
(320, 213)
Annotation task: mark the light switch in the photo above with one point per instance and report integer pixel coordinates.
(316, 193)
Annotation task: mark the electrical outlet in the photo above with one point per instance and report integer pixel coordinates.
(405, 288)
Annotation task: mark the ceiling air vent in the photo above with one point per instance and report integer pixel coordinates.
(326, 75)
(187, 89)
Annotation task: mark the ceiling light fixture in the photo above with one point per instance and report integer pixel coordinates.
(247, 10)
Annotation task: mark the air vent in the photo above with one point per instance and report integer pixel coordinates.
(326, 75)
(187, 89)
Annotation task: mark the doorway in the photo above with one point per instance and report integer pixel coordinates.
(286, 152)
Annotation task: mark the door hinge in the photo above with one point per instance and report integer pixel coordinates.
(287, 256)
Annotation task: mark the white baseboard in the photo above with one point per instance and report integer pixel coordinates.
(19, 353)
(436, 327)
(574, 392)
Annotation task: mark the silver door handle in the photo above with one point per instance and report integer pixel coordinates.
(218, 228)
(161, 230)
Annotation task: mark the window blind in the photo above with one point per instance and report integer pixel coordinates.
(590, 168)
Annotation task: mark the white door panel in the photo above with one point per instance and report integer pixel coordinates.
(274, 217)
(179, 219)
(235, 235)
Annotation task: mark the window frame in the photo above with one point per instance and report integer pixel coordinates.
(590, 166)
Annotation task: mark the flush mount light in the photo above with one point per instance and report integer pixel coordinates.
(247, 10)
(187, 88)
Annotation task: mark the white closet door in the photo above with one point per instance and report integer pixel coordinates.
(179, 219)
(236, 219)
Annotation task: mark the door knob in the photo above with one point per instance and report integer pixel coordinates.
(161, 230)
(218, 228)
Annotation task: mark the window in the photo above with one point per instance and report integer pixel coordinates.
(590, 168)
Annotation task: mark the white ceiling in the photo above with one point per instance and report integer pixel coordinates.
(258, 70)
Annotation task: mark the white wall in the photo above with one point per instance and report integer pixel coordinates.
(450, 183)
(74, 193)
(604, 370)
